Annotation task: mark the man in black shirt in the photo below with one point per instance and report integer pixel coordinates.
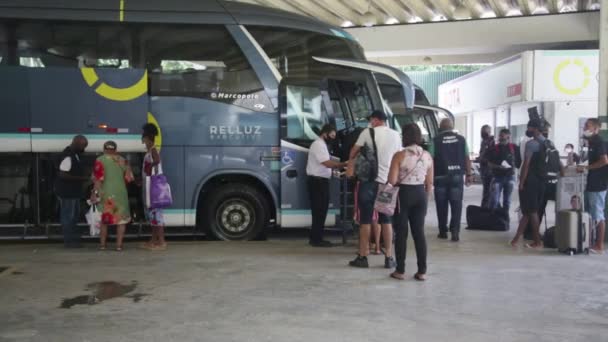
(597, 180)
(487, 142)
(69, 187)
(502, 159)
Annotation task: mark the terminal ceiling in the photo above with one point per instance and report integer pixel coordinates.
(348, 13)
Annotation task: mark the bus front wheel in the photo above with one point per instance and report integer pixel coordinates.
(235, 212)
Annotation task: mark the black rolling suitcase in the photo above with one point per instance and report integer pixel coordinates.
(479, 218)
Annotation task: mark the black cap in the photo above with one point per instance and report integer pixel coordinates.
(110, 146)
(378, 114)
(535, 123)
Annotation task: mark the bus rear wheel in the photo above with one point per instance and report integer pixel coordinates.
(235, 212)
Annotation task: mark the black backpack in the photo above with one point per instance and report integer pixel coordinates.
(366, 163)
(552, 161)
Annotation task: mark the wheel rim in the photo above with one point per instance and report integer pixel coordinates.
(235, 217)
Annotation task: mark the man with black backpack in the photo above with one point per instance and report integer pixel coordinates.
(554, 168)
(502, 159)
(376, 147)
(532, 183)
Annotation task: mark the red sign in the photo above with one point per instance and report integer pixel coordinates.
(452, 98)
(514, 90)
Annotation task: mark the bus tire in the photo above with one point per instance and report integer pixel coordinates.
(235, 212)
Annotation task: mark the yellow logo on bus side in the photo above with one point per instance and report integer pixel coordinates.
(159, 138)
(571, 90)
(112, 93)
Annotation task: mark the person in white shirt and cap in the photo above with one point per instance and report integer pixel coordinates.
(319, 171)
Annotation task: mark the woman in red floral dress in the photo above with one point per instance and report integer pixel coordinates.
(110, 175)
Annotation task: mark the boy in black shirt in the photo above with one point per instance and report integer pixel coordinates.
(502, 159)
(597, 180)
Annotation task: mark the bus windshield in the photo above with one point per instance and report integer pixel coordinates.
(291, 50)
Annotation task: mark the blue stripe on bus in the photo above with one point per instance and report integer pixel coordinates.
(90, 136)
(306, 212)
(15, 135)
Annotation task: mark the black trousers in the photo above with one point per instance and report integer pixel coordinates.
(318, 194)
(410, 215)
(487, 190)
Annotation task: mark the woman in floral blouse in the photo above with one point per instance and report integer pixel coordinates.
(110, 175)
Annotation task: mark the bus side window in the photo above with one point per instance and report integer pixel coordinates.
(41, 44)
(187, 61)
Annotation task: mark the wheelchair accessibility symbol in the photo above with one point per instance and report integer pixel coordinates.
(288, 157)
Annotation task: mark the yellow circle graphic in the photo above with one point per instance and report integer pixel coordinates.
(112, 93)
(159, 138)
(569, 90)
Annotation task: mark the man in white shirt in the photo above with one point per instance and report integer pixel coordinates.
(319, 169)
(388, 142)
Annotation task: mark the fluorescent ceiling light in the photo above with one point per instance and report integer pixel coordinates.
(540, 10)
(513, 12)
(391, 21)
(347, 23)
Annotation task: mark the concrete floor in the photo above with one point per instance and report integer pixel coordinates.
(282, 290)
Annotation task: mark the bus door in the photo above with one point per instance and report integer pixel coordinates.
(303, 114)
(305, 107)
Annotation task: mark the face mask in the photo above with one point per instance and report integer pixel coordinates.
(568, 150)
(587, 134)
(529, 134)
(503, 141)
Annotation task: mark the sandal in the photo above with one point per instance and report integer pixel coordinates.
(419, 277)
(102, 248)
(397, 275)
(119, 248)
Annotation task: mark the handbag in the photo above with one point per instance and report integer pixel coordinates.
(158, 190)
(386, 198)
(93, 217)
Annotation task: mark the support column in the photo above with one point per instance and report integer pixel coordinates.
(603, 76)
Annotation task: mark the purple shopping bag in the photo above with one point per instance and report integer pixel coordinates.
(158, 190)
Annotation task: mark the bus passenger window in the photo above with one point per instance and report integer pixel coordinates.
(188, 61)
(43, 44)
(305, 114)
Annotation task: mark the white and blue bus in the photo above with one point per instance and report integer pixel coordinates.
(238, 92)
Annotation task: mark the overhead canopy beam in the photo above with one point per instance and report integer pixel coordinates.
(395, 10)
(420, 9)
(480, 37)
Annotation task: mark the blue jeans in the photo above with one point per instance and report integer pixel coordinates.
(595, 204)
(70, 212)
(504, 185)
(448, 194)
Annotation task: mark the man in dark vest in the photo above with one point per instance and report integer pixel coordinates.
(69, 188)
(452, 163)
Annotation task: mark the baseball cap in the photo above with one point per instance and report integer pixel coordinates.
(378, 114)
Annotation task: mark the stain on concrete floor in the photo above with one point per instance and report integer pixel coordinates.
(103, 291)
